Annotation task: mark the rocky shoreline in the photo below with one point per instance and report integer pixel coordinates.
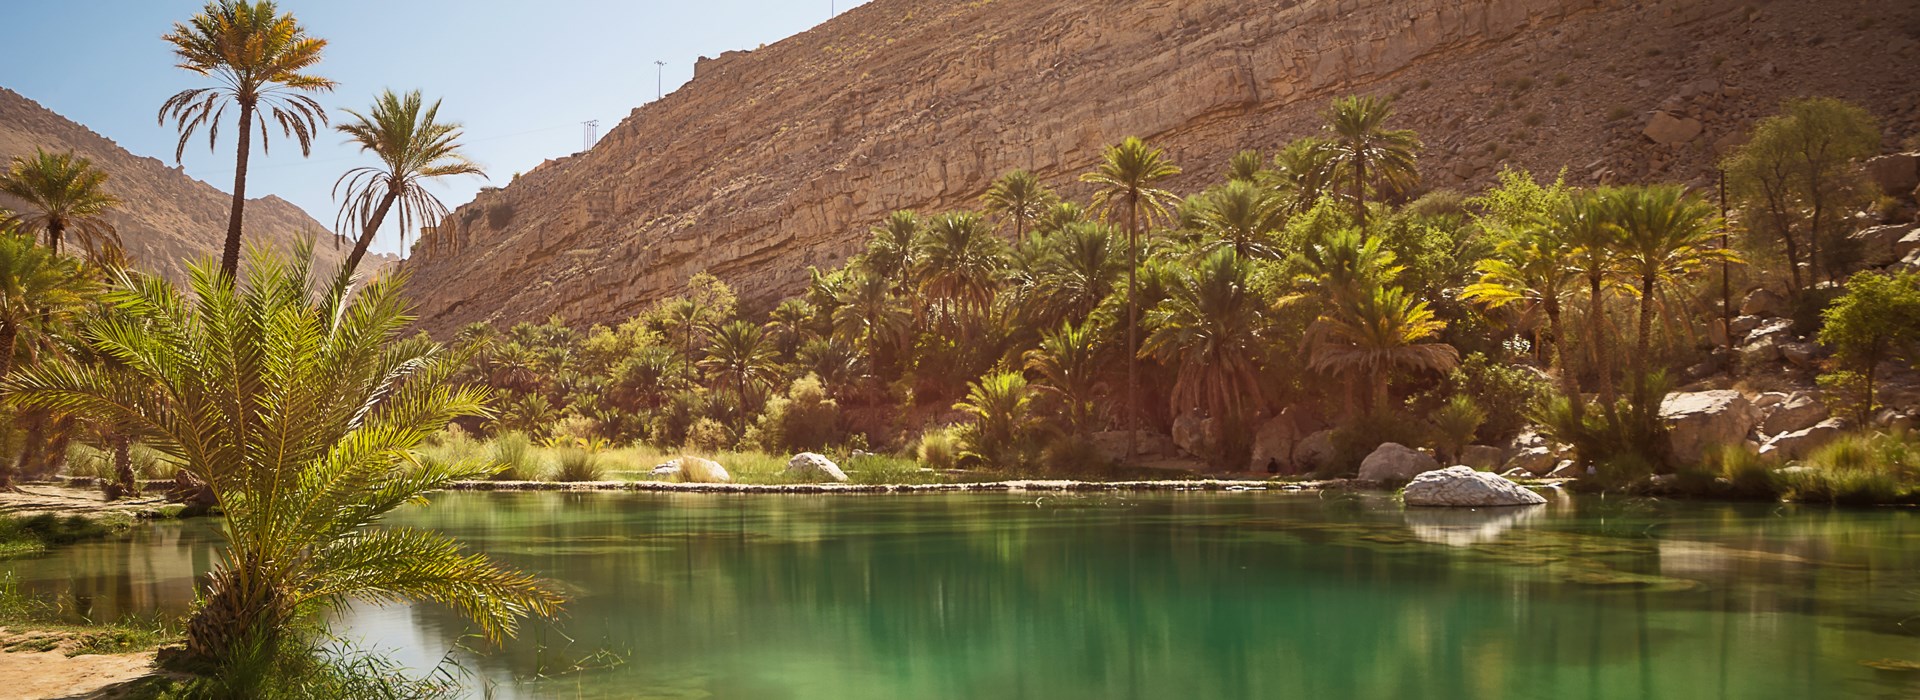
(1015, 485)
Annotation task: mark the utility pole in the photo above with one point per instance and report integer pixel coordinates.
(590, 131)
(659, 80)
(1726, 270)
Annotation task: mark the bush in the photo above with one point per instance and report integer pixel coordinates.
(1859, 470)
(1455, 424)
(707, 435)
(803, 420)
(1352, 443)
(578, 464)
(512, 453)
(940, 448)
(1747, 474)
(1507, 395)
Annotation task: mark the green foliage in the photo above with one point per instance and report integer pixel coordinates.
(1005, 429)
(804, 420)
(1354, 441)
(940, 448)
(305, 429)
(512, 456)
(1859, 470)
(1797, 179)
(577, 464)
(1507, 394)
(1455, 425)
(65, 196)
(1877, 320)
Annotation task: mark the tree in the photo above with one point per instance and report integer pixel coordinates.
(1246, 166)
(958, 264)
(260, 58)
(41, 292)
(741, 359)
(1666, 235)
(1078, 271)
(304, 423)
(890, 248)
(1301, 174)
(1208, 329)
(1876, 320)
(1385, 330)
(1365, 153)
(1799, 172)
(413, 146)
(1001, 404)
(65, 196)
(1071, 362)
(1245, 217)
(789, 325)
(1531, 264)
(869, 316)
(1127, 179)
(1018, 197)
(1584, 221)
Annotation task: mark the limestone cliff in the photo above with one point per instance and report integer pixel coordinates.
(780, 158)
(168, 219)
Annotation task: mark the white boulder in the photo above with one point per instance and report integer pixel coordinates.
(812, 466)
(695, 470)
(1700, 421)
(1463, 487)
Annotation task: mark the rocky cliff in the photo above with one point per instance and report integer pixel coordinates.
(167, 218)
(773, 160)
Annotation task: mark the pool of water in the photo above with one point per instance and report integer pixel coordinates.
(1241, 595)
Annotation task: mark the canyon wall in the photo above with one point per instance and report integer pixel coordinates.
(778, 159)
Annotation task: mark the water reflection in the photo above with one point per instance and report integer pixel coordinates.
(1241, 595)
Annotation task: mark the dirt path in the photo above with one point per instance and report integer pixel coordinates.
(36, 666)
(35, 499)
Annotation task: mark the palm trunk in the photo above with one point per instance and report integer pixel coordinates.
(1360, 194)
(29, 449)
(1133, 300)
(1644, 344)
(366, 234)
(1597, 341)
(1382, 392)
(55, 231)
(9, 339)
(123, 464)
(1569, 383)
(230, 255)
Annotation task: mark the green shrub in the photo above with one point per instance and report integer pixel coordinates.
(1507, 395)
(1455, 424)
(886, 469)
(708, 435)
(578, 464)
(940, 448)
(1747, 474)
(804, 420)
(1858, 470)
(1353, 442)
(512, 453)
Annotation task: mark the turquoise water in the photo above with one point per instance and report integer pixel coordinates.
(1243, 595)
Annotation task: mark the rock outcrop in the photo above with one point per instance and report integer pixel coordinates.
(1700, 421)
(777, 159)
(1393, 462)
(168, 219)
(1462, 487)
(812, 466)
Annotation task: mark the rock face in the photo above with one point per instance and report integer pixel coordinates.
(1394, 462)
(780, 158)
(695, 470)
(1798, 412)
(168, 219)
(1463, 487)
(811, 466)
(1273, 445)
(1896, 173)
(1314, 452)
(1700, 421)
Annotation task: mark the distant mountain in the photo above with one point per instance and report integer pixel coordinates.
(780, 158)
(167, 218)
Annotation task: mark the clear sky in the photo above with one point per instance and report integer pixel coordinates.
(521, 75)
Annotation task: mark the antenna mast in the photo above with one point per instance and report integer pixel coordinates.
(591, 129)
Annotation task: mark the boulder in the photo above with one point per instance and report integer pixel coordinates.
(1759, 352)
(811, 466)
(669, 470)
(1483, 457)
(1196, 435)
(1566, 470)
(1535, 460)
(1760, 302)
(1394, 462)
(1700, 421)
(1799, 443)
(1667, 129)
(1742, 325)
(1896, 173)
(1881, 245)
(1908, 244)
(1515, 473)
(190, 491)
(1273, 445)
(1463, 487)
(1768, 399)
(1315, 452)
(695, 470)
(1799, 353)
(1112, 445)
(1778, 330)
(1798, 412)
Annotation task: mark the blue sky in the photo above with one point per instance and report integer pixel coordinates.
(521, 75)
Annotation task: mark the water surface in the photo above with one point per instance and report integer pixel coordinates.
(1242, 595)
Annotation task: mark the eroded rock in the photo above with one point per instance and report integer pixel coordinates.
(1463, 487)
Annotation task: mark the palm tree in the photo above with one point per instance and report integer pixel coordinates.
(413, 146)
(1345, 265)
(1666, 235)
(1058, 216)
(304, 425)
(1019, 197)
(260, 58)
(66, 196)
(1244, 216)
(1071, 362)
(958, 263)
(870, 316)
(1532, 267)
(1127, 179)
(1300, 173)
(790, 324)
(1363, 151)
(741, 359)
(40, 290)
(1077, 273)
(1385, 330)
(1583, 220)
(1208, 328)
(1001, 404)
(1246, 166)
(889, 253)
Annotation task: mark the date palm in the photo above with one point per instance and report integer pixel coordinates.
(260, 58)
(1666, 235)
(869, 316)
(1208, 330)
(1531, 268)
(1384, 331)
(789, 324)
(1071, 361)
(1079, 271)
(1018, 197)
(1128, 179)
(302, 414)
(1243, 216)
(40, 291)
(1300, 173)
(65, 195)
(889, 253)
(413, 146)
(958, 264)
(1586, 224)
(1001, 404)
(1058, 216)
(1247, 166)
(1365, 153)
(740, 358)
